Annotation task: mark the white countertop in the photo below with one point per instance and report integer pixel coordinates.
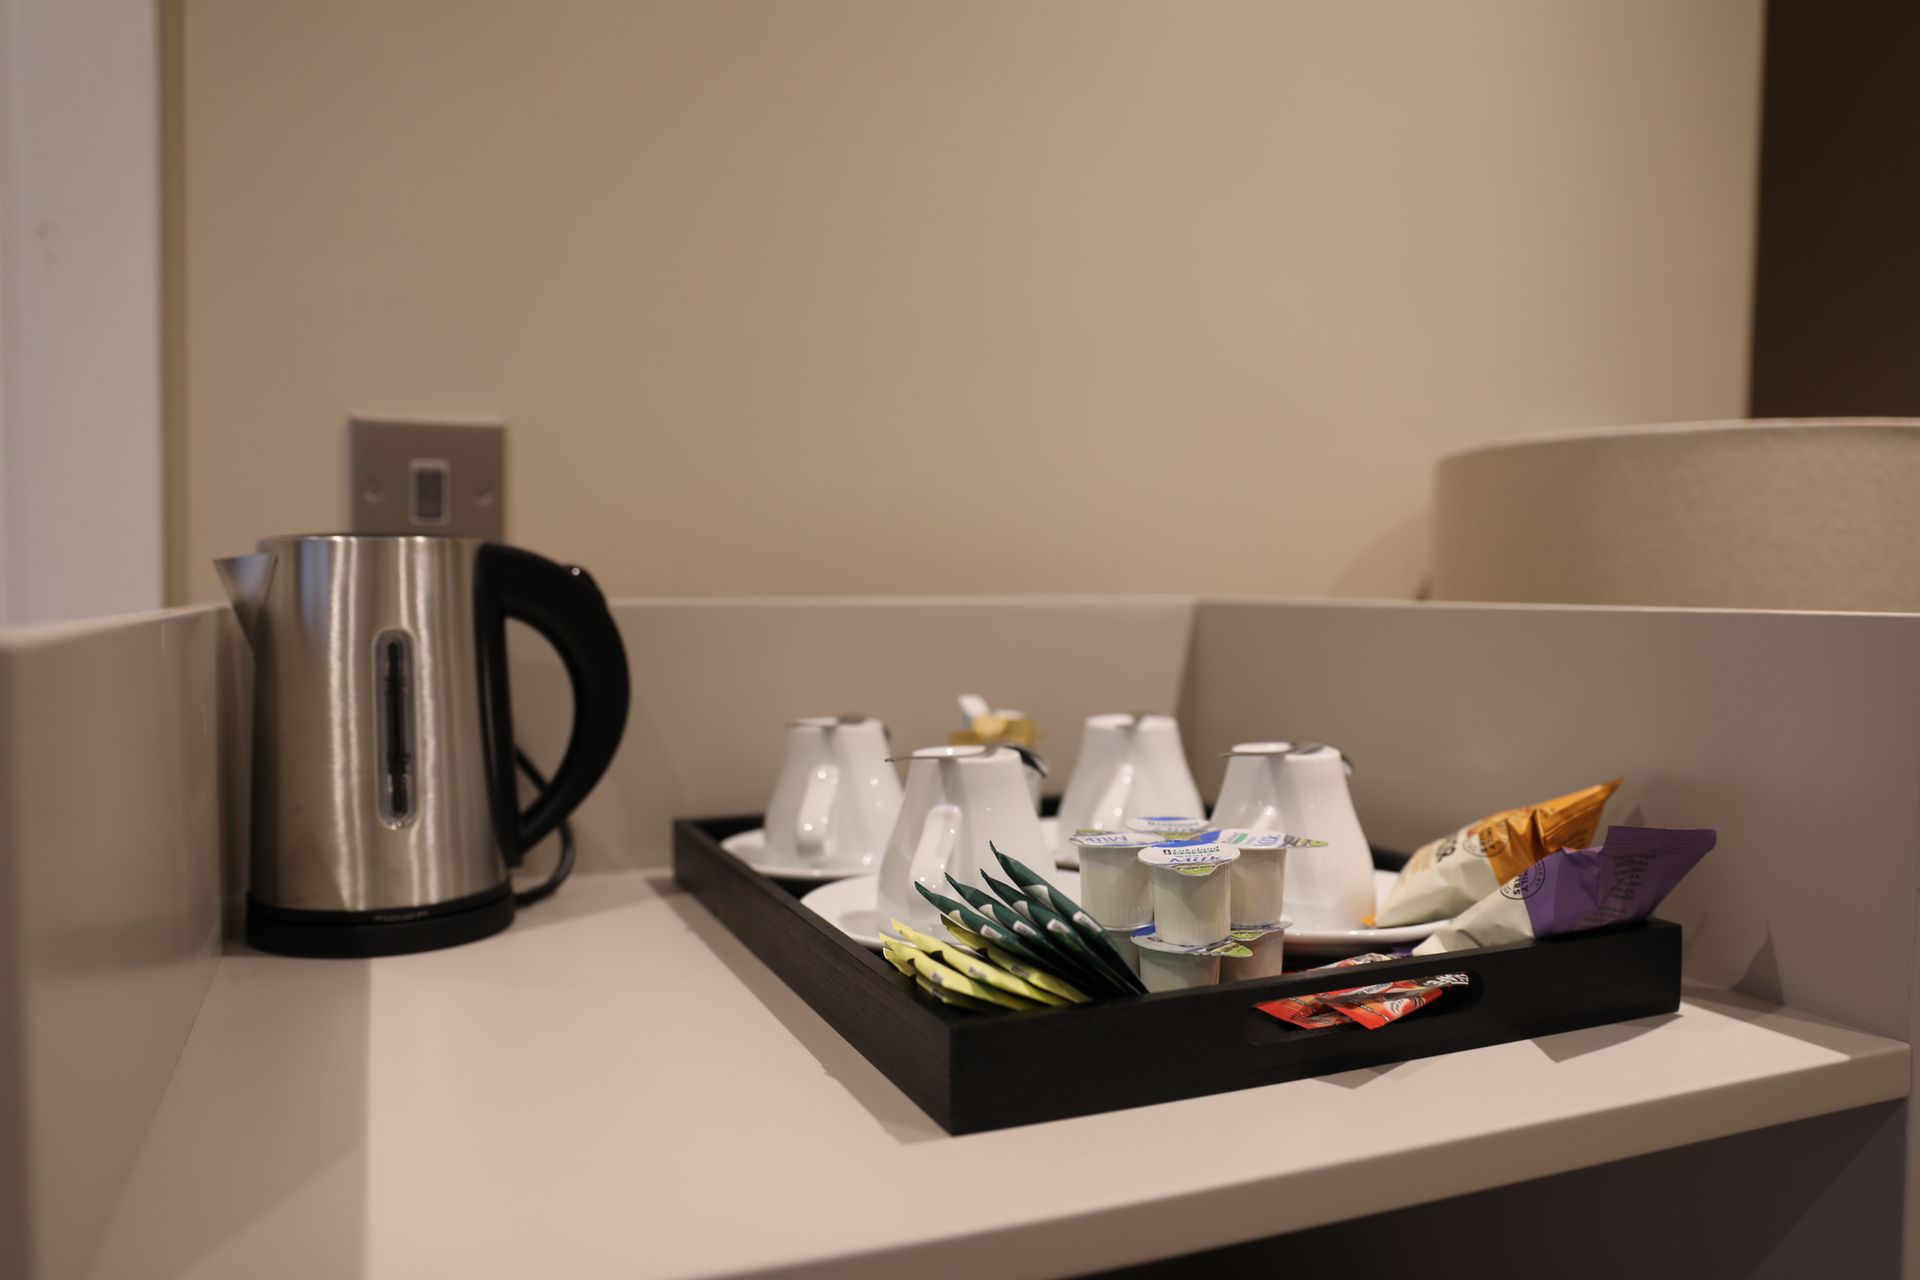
(616, 1087)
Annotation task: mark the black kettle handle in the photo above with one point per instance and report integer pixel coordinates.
(565, 606)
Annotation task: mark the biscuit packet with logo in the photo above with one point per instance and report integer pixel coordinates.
(1621, 882)
(1452, 873)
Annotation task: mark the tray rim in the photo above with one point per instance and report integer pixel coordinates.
(959, 1066)
(1305, 982)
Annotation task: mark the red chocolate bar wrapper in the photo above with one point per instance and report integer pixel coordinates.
(1306, 1012)
(1378, 1011)
(1371, 1007)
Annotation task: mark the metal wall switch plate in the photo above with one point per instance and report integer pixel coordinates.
(427, 477)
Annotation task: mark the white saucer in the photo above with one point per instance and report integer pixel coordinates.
(751, 848)
(853, 906)
(1309, 939)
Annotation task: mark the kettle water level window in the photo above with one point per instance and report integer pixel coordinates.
(393, 661)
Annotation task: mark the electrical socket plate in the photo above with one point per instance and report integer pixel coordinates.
(427, 477)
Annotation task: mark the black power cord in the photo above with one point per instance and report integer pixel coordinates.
(564, 867)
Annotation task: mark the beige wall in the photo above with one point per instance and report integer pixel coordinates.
(846, 296)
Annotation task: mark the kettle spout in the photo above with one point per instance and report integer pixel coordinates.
(246, 579)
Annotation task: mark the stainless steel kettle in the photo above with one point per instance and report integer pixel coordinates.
(385, 810)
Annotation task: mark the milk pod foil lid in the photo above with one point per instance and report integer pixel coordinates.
(1174, 826)
(1152, 941)
(1189, 859)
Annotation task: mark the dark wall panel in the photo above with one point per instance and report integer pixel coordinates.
(1837, 285)
(1815, 1198)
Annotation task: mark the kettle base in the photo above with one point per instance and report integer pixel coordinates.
(343, 935)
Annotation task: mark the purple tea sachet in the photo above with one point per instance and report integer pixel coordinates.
(1574, 890)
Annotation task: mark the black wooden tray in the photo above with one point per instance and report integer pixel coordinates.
(973, 1071)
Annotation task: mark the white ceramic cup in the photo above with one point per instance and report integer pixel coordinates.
(1249, 792)
(959, 800)
(1274, 786)
(837, 798)
(1035, 765)
(1130, 766)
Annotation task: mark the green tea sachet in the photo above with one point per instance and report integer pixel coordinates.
(1068, 939)
(1011, 896)
(1091, 930)
(977, 898)
(1031, 883)
(979, 925)
(1074, 964)
(1042, 978)
(1036, 956)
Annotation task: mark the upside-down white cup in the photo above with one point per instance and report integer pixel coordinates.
(1249, 790)
(1130, 765)
(1276, 786)
(1332, 885)
(837, 796)
(959, 800)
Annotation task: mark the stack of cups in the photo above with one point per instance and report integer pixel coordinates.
(1259, 893)
(1115, 886)
(1186, 906)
